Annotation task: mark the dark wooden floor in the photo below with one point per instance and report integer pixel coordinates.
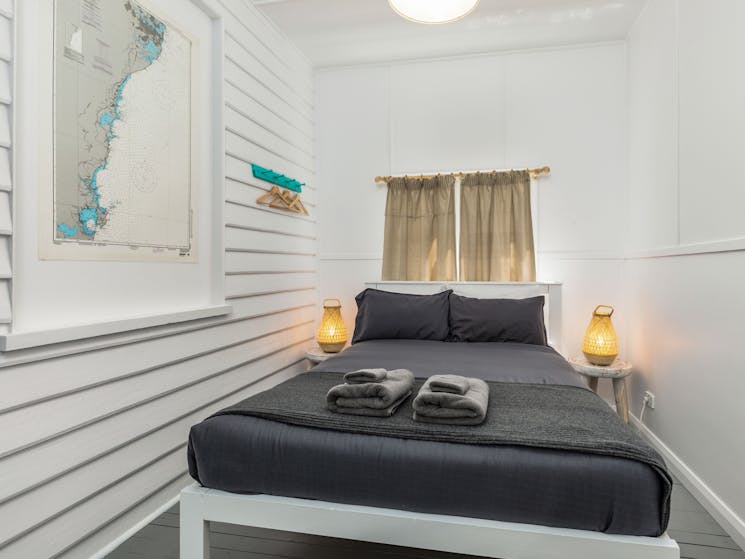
(697, 533)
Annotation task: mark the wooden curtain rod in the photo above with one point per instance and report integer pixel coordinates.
(535, 173)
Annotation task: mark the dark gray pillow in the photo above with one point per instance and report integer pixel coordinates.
(497, 320)
(384, 315)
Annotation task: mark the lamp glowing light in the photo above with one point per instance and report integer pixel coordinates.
(332, 333)
(600, 344)
(433, 11)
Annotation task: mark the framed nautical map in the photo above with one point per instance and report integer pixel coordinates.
(123, 129)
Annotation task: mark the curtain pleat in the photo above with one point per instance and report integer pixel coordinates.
(419, 243)
(496, 236)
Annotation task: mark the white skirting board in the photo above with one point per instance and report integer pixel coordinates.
(469, 536)
(111, 546)
(725, 516)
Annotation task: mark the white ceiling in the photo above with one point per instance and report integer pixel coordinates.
(342, 32)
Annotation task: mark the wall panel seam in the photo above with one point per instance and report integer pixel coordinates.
(281, 98)
(231, 83)
(277, 292)
(160, 335)
(146, 434)
(298, 92)
(308, 173)
(147, 370)
(268, 251)
(269, 231)
(240, 22)
(281, 137)
(137, 503)
(235, 132)
(147, 400)
(265, 187)
(97, 492)
(268, 209)
(269, 272)
(233, 177)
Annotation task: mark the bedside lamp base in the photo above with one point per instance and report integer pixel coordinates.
(602, 360)
(332, 348)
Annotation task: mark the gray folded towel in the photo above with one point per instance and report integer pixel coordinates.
(365, 375)
(449, 408)
(380, 399)
(453, 384)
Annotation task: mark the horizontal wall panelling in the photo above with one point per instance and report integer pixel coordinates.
(7, 37)
(100, 424)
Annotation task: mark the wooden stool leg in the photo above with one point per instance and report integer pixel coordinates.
(592, 382)
(622, 402)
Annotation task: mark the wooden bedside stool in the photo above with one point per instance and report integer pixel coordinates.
(616, 371)
(316, 355)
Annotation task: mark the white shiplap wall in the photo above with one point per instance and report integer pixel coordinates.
(93, 433)
(6, 138)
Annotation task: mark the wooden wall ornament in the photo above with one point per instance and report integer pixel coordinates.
(276, 197)
(283, 200)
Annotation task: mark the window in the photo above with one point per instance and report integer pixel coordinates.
(491, 241)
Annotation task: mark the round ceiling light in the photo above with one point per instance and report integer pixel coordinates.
(433, 11)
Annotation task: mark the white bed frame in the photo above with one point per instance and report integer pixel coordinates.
(455, 534)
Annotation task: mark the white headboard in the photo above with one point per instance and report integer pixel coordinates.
(551, 292)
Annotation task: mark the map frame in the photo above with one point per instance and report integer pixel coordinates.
(81, 249)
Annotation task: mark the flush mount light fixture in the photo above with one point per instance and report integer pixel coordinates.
(433, 11)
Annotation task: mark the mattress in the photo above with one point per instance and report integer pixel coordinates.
(244, 454)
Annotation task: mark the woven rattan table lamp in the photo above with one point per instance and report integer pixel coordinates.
(600, 344)
(332, 333)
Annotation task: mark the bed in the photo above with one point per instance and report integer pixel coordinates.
(508, 501)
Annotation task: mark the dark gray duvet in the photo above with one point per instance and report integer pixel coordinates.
(246, 454)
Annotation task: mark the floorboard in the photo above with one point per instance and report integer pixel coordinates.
(697, 533)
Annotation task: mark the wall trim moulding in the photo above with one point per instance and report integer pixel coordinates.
(725, 516)
(111, 546)
(708, 247)
(331, 256)
(465, 56)
(23, 340)
(581, 254)
(556, 255)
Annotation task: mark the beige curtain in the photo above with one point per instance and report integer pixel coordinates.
(496, 227)
(419, 242)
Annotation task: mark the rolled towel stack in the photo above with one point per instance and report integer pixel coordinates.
(452, 400)
(372, 392)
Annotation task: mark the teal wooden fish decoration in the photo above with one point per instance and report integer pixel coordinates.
(276, 178)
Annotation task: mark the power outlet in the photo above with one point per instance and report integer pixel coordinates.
(649, 398)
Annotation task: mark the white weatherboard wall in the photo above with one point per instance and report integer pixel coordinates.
(94, 432)
(563, 107)
(6, 141)
(686, 266)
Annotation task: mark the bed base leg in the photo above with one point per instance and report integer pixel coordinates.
(194, 532)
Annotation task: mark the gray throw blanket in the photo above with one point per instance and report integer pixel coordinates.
(451, 399)
(561, 417)
(380, 396)
(537, 415)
